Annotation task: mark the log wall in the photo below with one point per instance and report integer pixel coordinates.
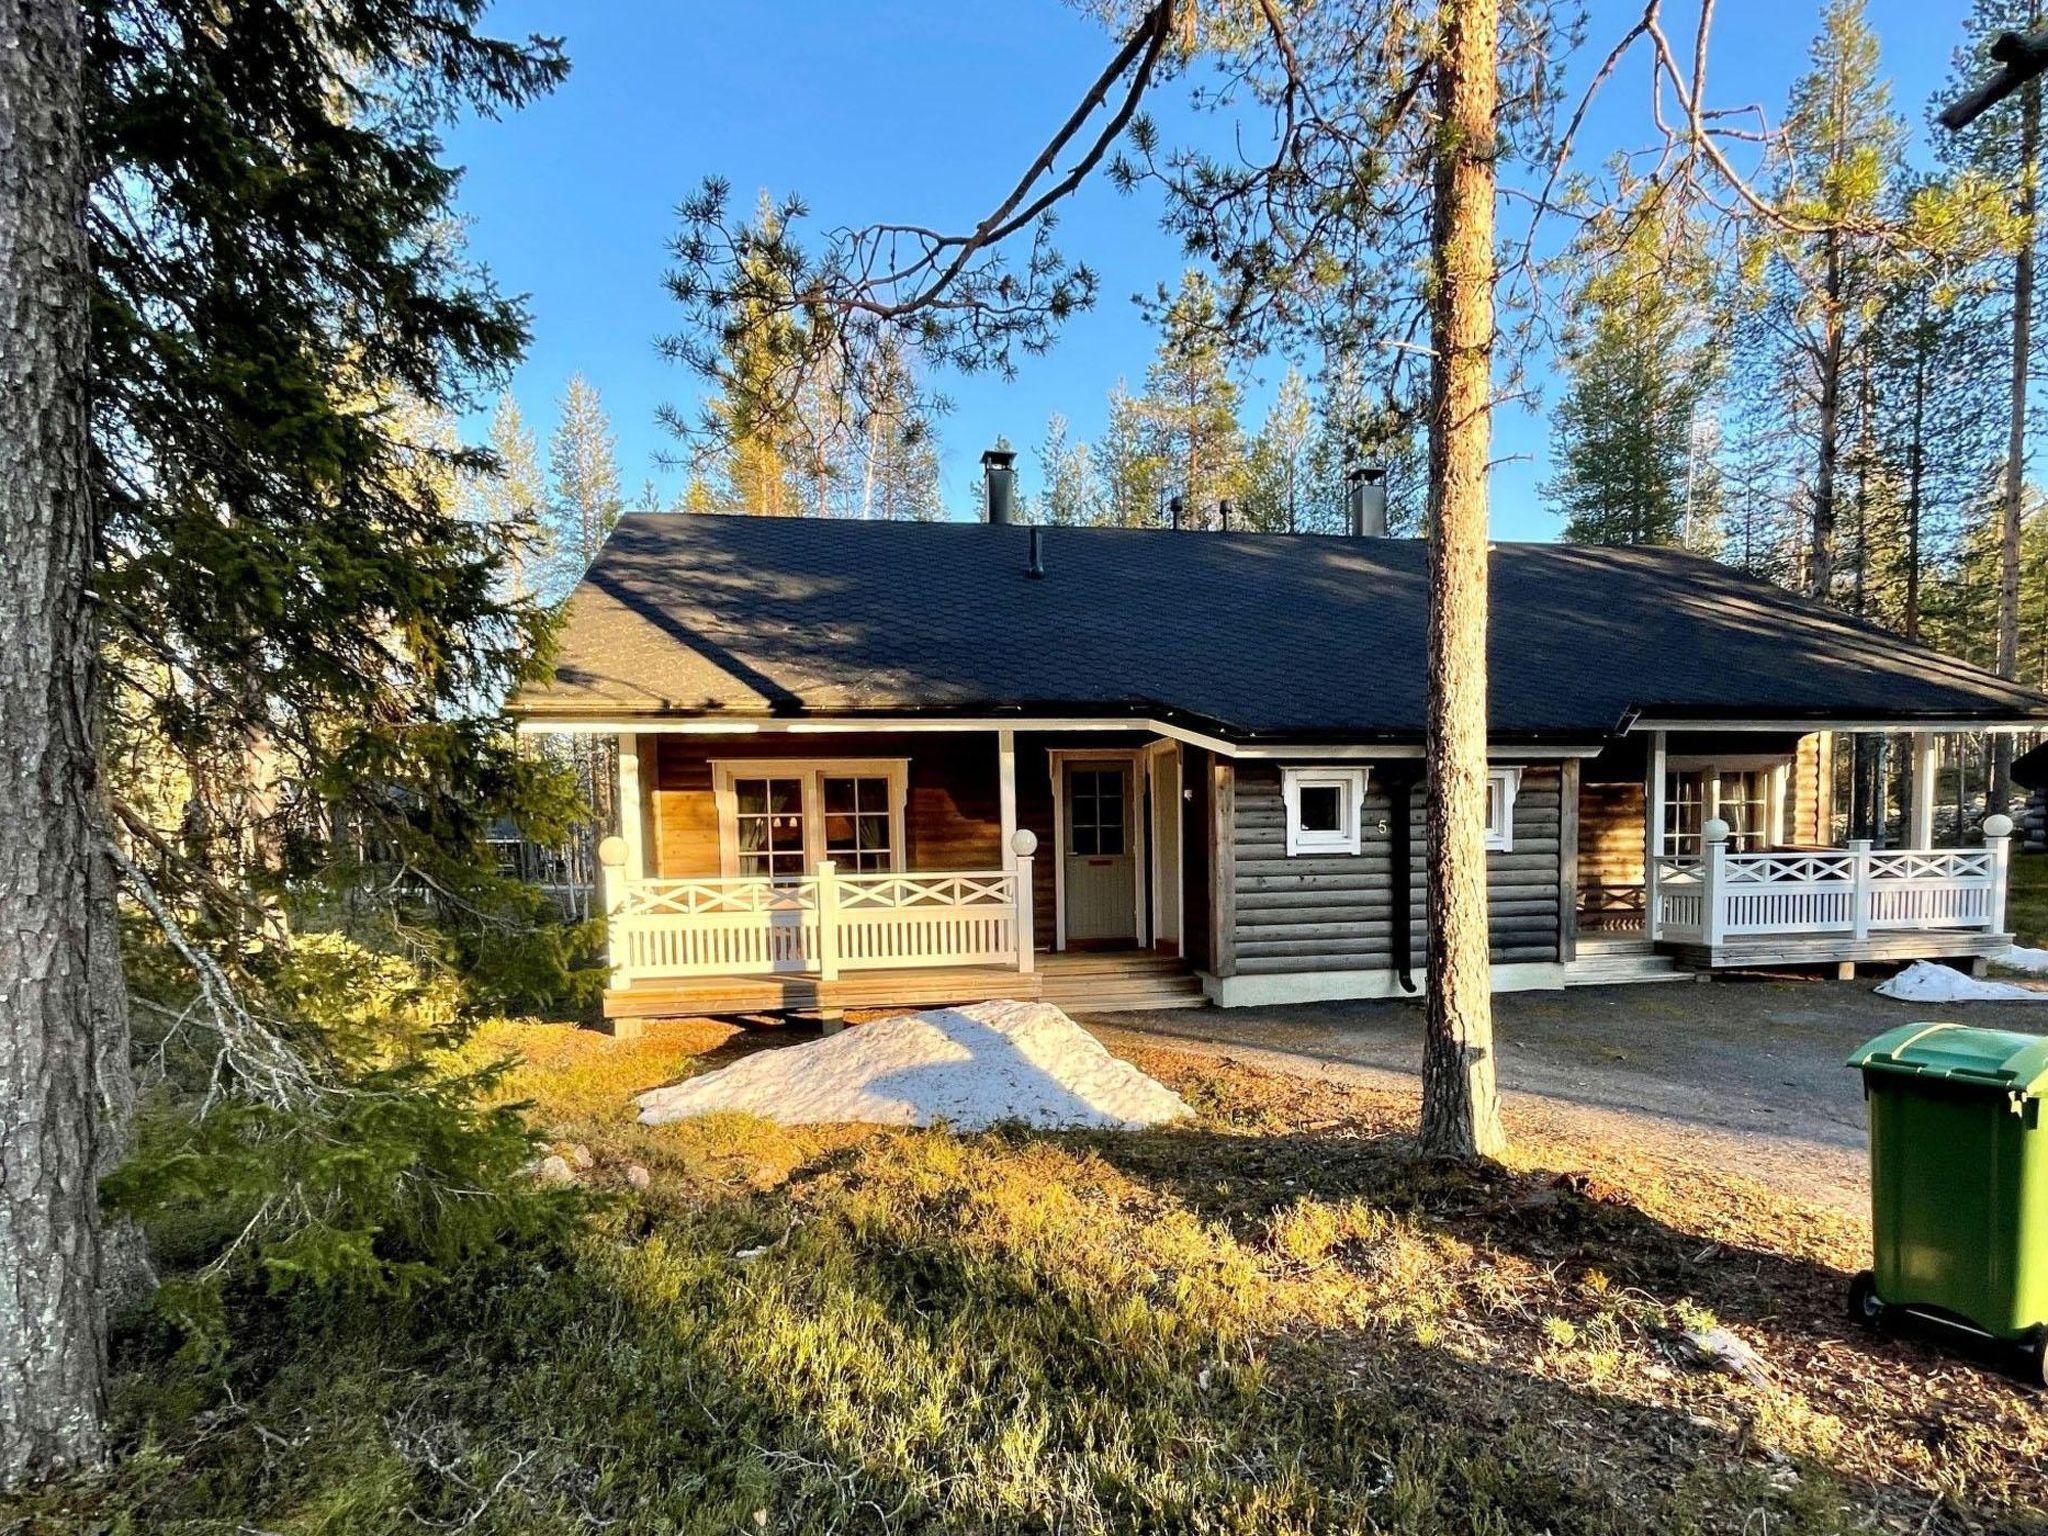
(1335, 913)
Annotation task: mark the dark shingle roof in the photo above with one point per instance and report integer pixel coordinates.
(1247, 634)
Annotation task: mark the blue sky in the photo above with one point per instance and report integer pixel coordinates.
(916, 109)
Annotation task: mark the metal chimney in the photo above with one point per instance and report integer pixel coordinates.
(1174, 507)
(1367, 486)
(1223, 514)
(999, 470)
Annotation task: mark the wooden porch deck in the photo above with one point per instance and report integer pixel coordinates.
(1762, 951)
(799, 991)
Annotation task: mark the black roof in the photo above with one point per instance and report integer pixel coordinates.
(1247, 635)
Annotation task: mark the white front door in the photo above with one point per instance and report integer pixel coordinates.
(1101, 870)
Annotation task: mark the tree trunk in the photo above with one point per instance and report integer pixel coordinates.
(52, 1319)
(1915, 473)
(2016, 438)
(1460, 1103)
(1820, 571)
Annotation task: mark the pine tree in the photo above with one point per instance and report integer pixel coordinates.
(896, 473)
(277, 555)
(1823, 270)
(1189, 407)
(583, 486)
(1623, 436)
(2006, 145)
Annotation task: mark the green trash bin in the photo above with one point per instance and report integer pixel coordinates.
(1959, 1183)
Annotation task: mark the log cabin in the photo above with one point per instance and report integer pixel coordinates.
(898, 763)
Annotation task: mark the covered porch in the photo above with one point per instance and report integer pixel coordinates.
(1736, 861)
(805, 866)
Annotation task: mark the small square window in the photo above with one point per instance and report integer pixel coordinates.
(1322, 808)
(1325, 809)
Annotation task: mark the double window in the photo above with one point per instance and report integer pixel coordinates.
(1748, 797)
(778, 820)
(1325, 809)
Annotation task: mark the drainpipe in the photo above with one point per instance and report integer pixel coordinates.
(1401, 779)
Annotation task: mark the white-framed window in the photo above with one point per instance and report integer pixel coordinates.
(1746, 792)
(777, 819)
(1502, 785)
(1325, 809)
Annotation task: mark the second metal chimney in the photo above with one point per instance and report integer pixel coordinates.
(1367, 487)
(998, 468)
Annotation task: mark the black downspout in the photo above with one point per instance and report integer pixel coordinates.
(1400, 781)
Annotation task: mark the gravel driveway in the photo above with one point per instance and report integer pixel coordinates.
(1746, 1074)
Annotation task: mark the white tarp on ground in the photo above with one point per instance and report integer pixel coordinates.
(2033, 961)
(1926, 982)
(971, 1067)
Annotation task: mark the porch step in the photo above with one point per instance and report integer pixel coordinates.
(1620, 962)
(1117, 982)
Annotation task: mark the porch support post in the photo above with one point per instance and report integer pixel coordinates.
(1920, 813)
(1026, 950)
(1998, 842)
(828, 920)
(1713, 865)
(1859, 898)
(630, 830)
(611, 874)
(1006, 792)
(1653, 830)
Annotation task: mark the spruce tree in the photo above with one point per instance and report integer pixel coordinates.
(512, 497)
(1276, 485)
(1638, 376)
(583, 486)
(1134, 477)
(1066, 469)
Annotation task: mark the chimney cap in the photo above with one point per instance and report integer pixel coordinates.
(1366, 472)
(998, 458)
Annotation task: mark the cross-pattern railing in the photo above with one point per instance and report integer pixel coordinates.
(1854, 890)
(819, 924)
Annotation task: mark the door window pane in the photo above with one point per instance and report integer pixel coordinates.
(857, 825)
(1095, 812)
(770, 826)
(1745, 805)
(1685, 812)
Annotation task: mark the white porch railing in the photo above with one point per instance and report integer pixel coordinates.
(1855, 891)
(821, 924)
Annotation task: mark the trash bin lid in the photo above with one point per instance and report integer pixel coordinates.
(1994, 1058)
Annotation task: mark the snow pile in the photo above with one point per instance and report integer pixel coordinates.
(971, 1067)
(1925, 982)
(2019, 958)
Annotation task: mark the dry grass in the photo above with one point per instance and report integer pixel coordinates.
(1277, 1320)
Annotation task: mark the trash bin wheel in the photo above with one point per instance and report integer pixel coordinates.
(1865, 1305)
(2030, 1358)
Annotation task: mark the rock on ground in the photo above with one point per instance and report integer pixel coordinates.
(971, 1067)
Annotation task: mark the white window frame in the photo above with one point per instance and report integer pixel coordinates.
(812, 773)
(1350, 783)
(1776, 769)
(1502, 785)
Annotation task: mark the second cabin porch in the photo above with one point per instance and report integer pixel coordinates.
(1720, 849)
